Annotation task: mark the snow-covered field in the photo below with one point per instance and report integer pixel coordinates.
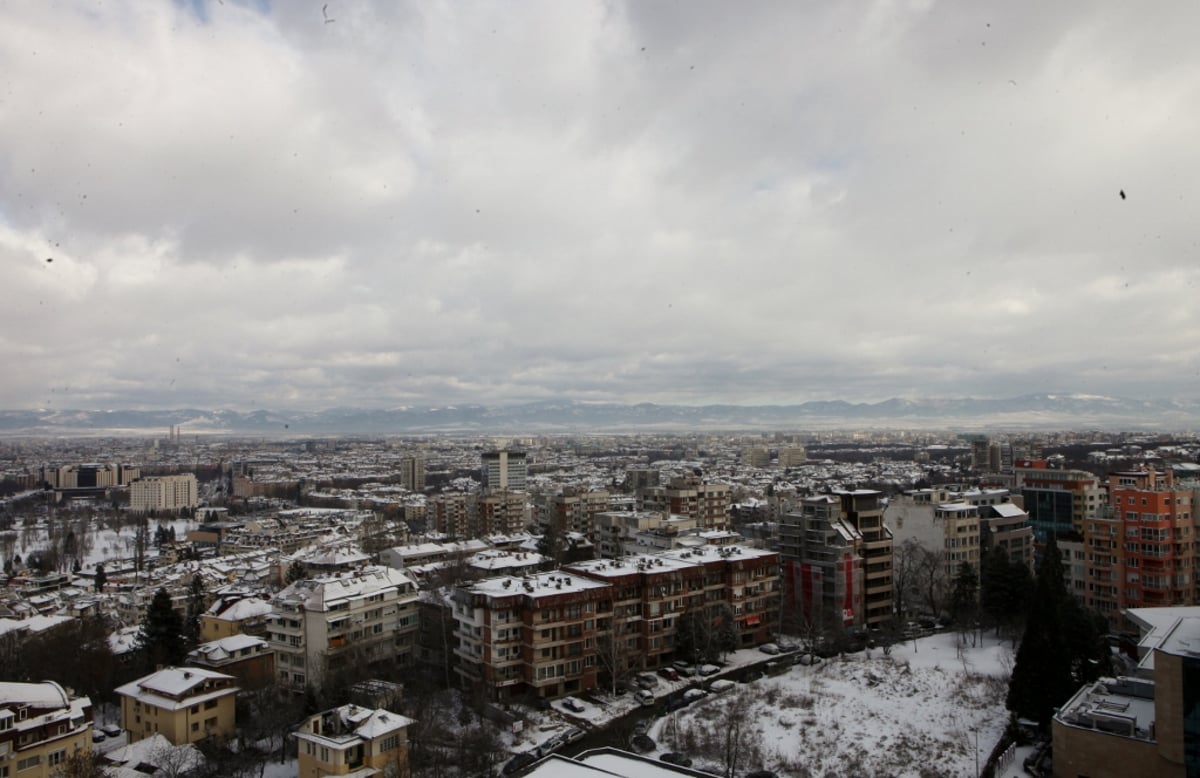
(929, 709)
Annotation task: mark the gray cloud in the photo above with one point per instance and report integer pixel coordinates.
(428, 203)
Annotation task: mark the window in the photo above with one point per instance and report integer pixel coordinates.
(57, 757)
(29, 762)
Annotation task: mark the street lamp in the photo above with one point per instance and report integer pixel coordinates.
(975, 730)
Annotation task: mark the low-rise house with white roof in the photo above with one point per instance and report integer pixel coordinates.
(353, 741)
(40, 727)
(183, 704)
(235, 614)
(322, 625)
(248, 658)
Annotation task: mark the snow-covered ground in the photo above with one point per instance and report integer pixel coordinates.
(930, 708)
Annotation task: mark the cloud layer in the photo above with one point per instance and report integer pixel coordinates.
(424, 203)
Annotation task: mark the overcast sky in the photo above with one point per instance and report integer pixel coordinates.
(254, 205)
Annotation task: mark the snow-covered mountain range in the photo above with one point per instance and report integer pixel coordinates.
(1033, 411)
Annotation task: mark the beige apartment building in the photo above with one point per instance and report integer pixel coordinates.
(162, 493)
(352, 740)
(571, 510)
(330, 623)
(183, 704)
(690, 496)
(41, 725)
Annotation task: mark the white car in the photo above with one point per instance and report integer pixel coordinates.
(769, 648)
(643, 697)
(721, 686)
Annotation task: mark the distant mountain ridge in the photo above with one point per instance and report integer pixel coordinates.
(1033, 411)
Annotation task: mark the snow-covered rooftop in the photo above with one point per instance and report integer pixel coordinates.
(170, 687)
(319, 594)
(541, 584)
(47, 694)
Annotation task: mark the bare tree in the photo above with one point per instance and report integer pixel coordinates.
(614, 653)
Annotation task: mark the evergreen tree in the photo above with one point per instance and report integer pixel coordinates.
(1004, 589)
(295, 572)
(195, 607)
(1042, 677)
(963, 602)
(160, 640)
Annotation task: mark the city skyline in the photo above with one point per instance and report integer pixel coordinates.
(237, 205)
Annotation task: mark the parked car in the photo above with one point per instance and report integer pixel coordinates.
(721, 686)
(676, 758)
(518, 763)
(669, 673)
(551, 746)
(646, 680)
(684, 667)
(97, 736)
(573, 705)
(573, 734)
(691, 695)
(769, 648)
(644, 697)
(675, 703)
(111, 730)
(707, 670)
(642, 742)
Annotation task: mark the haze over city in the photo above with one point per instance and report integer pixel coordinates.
(245, 205)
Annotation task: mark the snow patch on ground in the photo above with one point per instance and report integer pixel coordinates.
(932, 707)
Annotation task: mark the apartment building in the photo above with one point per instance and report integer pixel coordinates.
(621, 533)
(692, 497)
(183, 704)
(837, 556)
(1142, 547)
(449, 514)
(961, 524)
(504, 470)
(499, 511)
(412, 472)
(756, 456)
(1144, 724)
(162, 493)
(792, 456)
(745, 580)
(352, 740)
(531, 634)
(327, 624)
(41, 725)
(822, 563)
(1058, 501)
(863, 510)
(571, 510)
(90, 476)
(561, 632)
